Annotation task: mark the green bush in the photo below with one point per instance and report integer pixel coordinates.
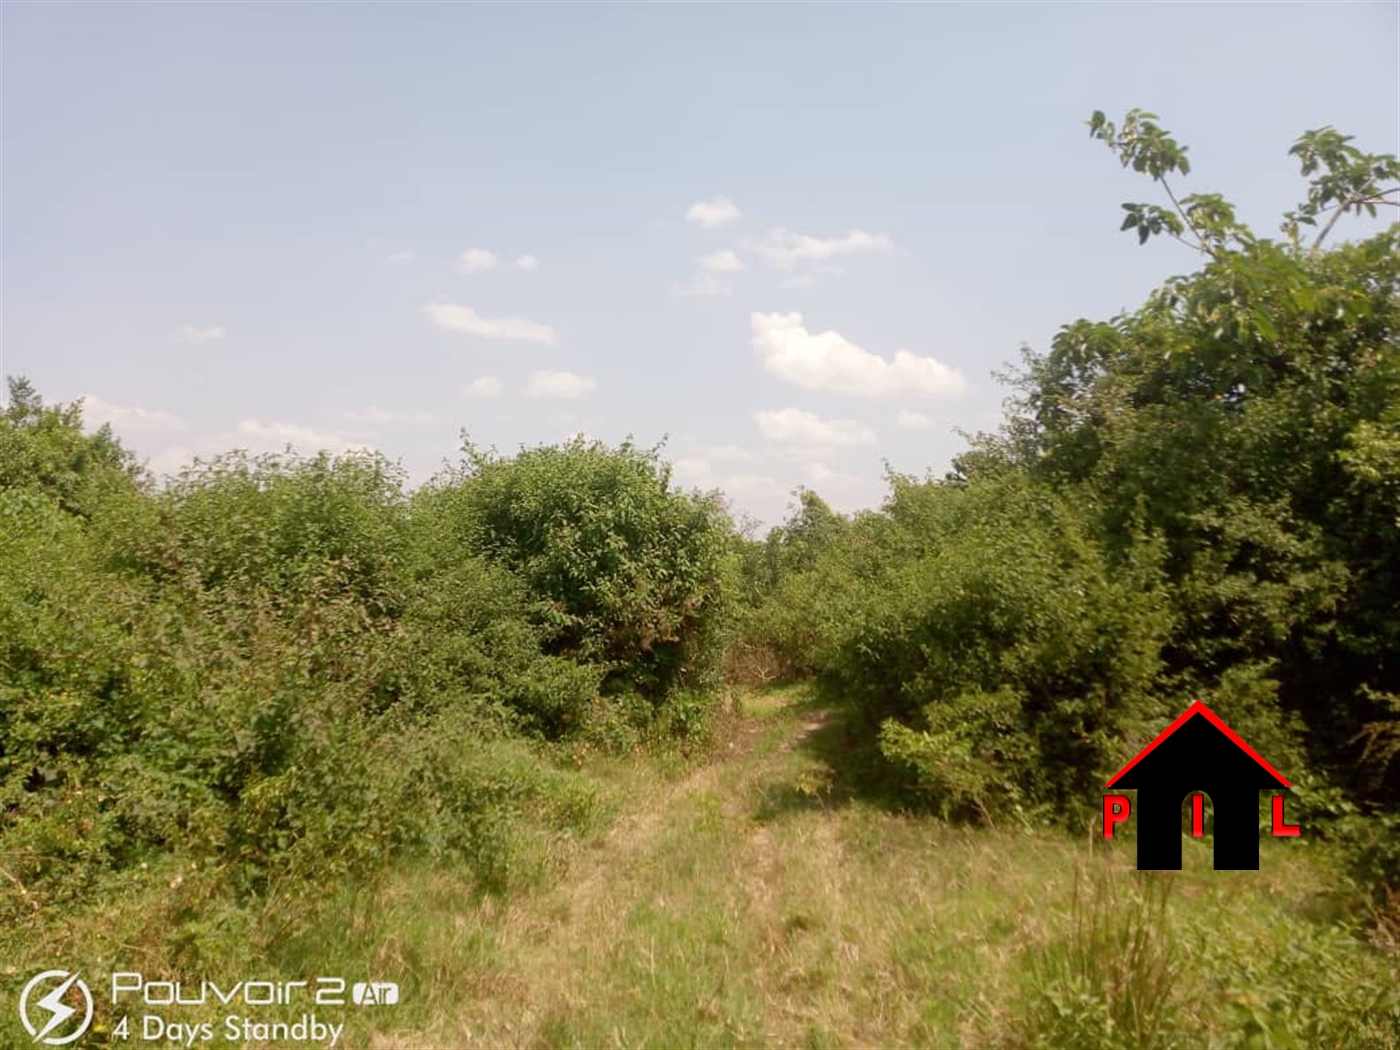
(1010, 656)
(635, 575)
(469, 634)
(966, 755)
(1147, 960)
(1246, 415)
(278, 523)
(270, 668)
(1308, 985)
(804, 584)
(43, 450)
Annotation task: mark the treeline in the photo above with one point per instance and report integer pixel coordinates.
(285, 668)
(1195, 500)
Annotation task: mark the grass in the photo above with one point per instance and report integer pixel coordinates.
(757, 897)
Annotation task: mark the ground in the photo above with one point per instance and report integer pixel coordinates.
(755, 900)
(764, 893)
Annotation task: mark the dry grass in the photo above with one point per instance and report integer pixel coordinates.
(753, 897)
(744, 905)
(753, 902)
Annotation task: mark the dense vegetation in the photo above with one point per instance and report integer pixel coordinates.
(1199, 499)
(285, 667)
(275, 671)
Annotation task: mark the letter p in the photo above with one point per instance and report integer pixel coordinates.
(1116, 809)
(123, 982)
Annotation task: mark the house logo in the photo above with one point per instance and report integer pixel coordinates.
(1198, 755)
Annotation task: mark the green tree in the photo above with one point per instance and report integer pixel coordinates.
(1247, 415)
(43, 449)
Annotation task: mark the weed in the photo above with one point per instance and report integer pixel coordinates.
(1112, 977)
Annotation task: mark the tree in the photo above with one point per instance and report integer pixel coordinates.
(43, 449)
(1247, 415)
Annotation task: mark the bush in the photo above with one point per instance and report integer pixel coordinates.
(966, 755)
(1010, 656)
(803, 585)
(265, 669)
(1142, 964)
(277, 523)
(43, 450)
(635, 576)
(470, 635)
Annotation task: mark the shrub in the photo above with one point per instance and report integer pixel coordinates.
(998, 633)
(279, 522)
(966, 755)
(264, 669)
(43, 450)
(469, 635)
(634, 574)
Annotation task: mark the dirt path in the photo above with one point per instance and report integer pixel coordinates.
(555, 942)
(560, 949)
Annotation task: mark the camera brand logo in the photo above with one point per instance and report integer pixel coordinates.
(374, 993)
(54, 1012)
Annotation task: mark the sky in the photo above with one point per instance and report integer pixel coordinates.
(794, 241)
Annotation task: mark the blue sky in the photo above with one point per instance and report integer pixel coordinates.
(242, 225)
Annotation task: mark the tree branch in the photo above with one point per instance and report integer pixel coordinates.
(1201, 246)
(1350, 202)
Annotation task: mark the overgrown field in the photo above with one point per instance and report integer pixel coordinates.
(507, 740)
(761, 894)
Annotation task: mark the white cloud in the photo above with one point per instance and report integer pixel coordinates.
(907, 420)
(793, 426)
(784, 249)
(704, 286)
(476, 259)
(258, 436)
(128, 419)
(484, 386)
(170, 460)
(400, 257)
(375, 415)
(828, 361)
(748, 483)
(725, 261)
(732, 453)
(821, 474)
(527, 262)
(371, 415)
(701, 474)
(799, 281)
(464, 319)
(697, 472)
(189, 333)
(558, 384)
(713, 212)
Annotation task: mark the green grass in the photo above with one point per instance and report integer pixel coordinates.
(754, 897)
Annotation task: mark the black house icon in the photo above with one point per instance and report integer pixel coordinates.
(1198, 752)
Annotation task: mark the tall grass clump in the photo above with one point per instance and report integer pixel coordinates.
(1113, 977)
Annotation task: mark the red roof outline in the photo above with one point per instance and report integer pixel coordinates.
(1213, 719)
